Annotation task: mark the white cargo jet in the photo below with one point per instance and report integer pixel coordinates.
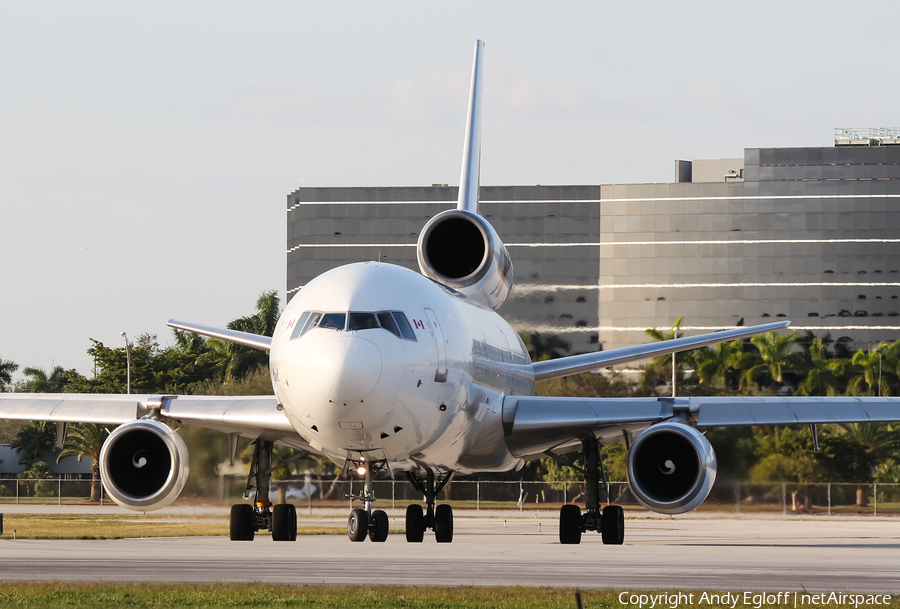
(380, 368)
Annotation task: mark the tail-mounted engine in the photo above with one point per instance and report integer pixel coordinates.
(461, 250)
(144, 465)
(671, 468)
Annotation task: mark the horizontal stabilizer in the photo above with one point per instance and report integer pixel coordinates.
(576, 364)
(247, 339)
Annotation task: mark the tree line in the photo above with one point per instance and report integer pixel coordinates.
(769, 364)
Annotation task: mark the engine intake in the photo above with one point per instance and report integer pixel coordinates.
(671, 468)
(461, 250)
(144, 465)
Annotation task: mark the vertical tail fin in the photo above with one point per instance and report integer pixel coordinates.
(469, 178)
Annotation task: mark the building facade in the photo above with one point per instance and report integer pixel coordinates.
(806, 234)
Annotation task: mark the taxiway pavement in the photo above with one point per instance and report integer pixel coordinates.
(750, 554)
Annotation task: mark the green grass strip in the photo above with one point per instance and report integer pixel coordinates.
(267, 596)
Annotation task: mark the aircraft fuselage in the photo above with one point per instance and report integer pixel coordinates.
(354, 378)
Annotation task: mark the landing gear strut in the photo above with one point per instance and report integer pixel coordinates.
(363, 522)
(438, 518)
(247, 519)
(610, 523)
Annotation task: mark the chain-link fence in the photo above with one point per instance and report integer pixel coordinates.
(53, 490)
(830, 499)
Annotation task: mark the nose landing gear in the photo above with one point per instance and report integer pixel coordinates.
(438, 518)
(363, 522)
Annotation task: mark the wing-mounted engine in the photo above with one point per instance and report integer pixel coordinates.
(671, 468)
(461, 250)
(144, 465)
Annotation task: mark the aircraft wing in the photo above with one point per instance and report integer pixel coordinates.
(534, 425)
(256, 341)
(250, 417)
(576, 364)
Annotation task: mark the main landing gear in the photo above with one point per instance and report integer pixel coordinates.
(363, 522)
(246, 519)
(610, 523)
(439, 519)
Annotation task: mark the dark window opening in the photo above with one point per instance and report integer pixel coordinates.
(301, 324)
(334, 321)
(362, 321)
(388, 323)
(406, 330)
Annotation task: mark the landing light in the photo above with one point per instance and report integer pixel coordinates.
(361, 470)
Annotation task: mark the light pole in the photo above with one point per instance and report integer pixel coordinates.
(878, 351)
(128, 360)
(673, 366)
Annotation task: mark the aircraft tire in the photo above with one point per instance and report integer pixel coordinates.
(570, 524)
(415, 523)
(378, 532)
(443, 523)
(358, 525)
(284, 522)
(612, 525)
(240, 525)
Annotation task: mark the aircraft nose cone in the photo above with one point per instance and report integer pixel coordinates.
(345, 367)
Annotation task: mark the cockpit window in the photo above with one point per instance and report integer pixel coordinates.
(335, 321)
(362, 321)
(406, 330)
(394, 322)
(298, 329)
(388, 323)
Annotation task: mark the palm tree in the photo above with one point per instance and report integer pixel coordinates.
(721, 363)
(86, 440)
(39, 382)
(33, 440)
(871, 371)
(880, 440)
(7, 367)
(823, 376)
(245, 359)
(774, 359)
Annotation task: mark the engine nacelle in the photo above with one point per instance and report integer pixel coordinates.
(144, 465)
(461, 250)
(671, 468)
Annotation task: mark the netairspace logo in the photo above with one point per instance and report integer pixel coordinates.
(756, 600)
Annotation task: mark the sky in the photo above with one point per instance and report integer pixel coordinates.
(147, 149)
